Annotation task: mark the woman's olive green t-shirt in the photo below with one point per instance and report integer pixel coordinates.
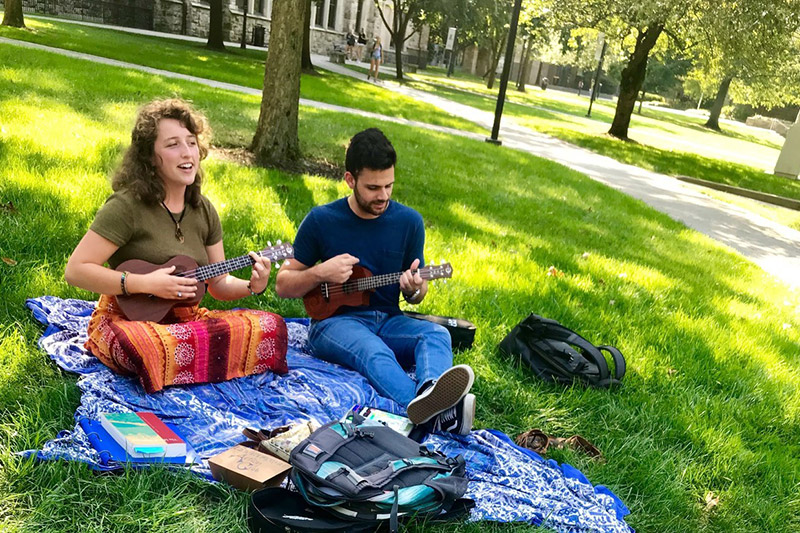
(147, 232)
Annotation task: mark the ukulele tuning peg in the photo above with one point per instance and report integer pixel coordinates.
(279, 242)
(269, 243)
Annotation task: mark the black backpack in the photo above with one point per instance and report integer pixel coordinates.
(372, 473)
(558, 354)
(279, 510)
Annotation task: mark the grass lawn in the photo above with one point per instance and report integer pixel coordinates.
(665, 142)
(702, 437)
(237, 66)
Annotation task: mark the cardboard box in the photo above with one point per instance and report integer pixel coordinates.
(244, 468)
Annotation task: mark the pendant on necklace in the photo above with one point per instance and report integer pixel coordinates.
(178, 232)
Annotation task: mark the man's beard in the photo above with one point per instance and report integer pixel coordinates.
(373, 208)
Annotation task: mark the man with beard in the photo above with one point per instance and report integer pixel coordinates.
(367, 229)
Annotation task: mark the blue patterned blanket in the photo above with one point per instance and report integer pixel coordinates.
(508, 483)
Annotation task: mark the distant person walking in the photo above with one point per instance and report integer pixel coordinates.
(351, 45)
(375, 58)
(362, 43)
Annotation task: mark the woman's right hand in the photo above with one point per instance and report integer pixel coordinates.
(163, 284)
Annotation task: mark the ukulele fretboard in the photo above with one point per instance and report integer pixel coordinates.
(373, 282)
(223, 267)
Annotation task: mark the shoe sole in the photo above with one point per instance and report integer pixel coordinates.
(448, 390)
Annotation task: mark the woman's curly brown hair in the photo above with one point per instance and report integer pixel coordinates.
(137, 172)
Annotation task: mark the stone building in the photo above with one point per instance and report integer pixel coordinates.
(330, 19)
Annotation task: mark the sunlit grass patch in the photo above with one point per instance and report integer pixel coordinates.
(709, 409)
(241, 67)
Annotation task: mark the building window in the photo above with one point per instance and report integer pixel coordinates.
(241, 4)
(260, 7)
(325, 13)
(332, 14)
(319, 18)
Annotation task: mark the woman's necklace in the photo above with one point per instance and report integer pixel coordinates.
(178, 232)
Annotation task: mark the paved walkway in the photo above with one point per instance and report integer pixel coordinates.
(774, 247)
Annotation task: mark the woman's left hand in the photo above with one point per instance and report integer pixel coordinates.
(260, 275)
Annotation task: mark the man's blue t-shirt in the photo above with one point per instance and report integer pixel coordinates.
(383, 245)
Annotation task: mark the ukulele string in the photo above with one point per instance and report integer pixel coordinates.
(371, 282)
(213, 270)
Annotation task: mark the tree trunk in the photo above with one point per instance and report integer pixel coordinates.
(719, 101)
(275, 142)
(495, 60)
(399, 41)
(306, 64)
(12, 14)
(523, 66)
(398, 48)
(215, 38)
(632, 79)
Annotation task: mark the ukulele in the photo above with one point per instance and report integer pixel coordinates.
(323, 301)
(153, 308)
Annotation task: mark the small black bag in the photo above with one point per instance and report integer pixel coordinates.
(462, 332)
(558, 354)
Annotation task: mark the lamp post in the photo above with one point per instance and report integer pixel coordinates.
(509, 59)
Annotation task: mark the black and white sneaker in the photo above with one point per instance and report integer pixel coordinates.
(458, 419)
(444, 393)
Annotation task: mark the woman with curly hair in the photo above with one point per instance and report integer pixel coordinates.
(156, 212)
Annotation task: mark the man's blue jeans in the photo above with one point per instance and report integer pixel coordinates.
(380, 347)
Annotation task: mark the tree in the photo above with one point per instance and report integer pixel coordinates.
(404, 12)
(495, 17)
(305, 63)
(462, 14)
(275, 142)
(749, 43)
(12, 14)
(533, 31)
(215, 26)
(642, 24)
(666, 72)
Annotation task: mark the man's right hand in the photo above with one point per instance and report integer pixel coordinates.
(337, 269)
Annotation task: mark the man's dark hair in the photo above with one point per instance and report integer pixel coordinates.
(369, 149)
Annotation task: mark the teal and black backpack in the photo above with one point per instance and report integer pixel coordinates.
(372, 473)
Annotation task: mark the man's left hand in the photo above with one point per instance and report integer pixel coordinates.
(410, 280)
